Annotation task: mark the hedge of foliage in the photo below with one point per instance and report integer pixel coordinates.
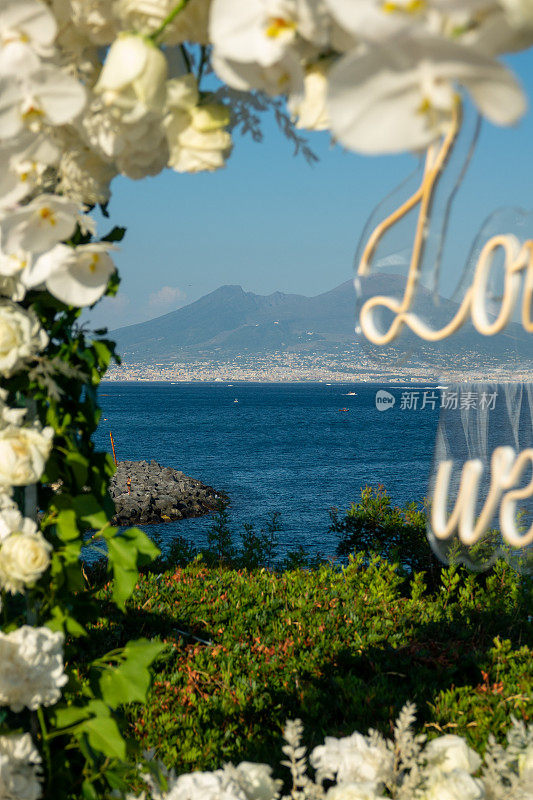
(342, 649)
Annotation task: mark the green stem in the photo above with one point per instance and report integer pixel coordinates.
(173, 14)
(46, 745)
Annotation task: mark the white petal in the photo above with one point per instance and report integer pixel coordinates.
(373, 104)
(11, 97)
(284, 77)
(17, 58)
(32, 18)
(82, 281)
(61, 97)
(236, 30)
(499, 97)
(124, 63)
(55, 259)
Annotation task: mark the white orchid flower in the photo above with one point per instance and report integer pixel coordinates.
(39, 225)
(78, 276)
(23, 162)
(44, 96)
(400, 96)
(284, 77)
(27, 22)
(261, 31)
(375, 20)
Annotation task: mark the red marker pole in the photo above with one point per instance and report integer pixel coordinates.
(113, 447)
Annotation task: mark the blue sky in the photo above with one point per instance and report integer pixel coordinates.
(269, 221)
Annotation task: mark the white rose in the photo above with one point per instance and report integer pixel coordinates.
(256, 781)
(451, 752)
(12, 521)
(21, 337)
(20, 774)
(196, 137)
(132, 138)
(519, 12)
(205, 786)
(96, 19)
(83, 175)
(353, 759)
(354, 791)
(310, 109)
(24, 557)
(32, 671)
(23, 454)
(134, 74)
(190, 25)
(456, 785)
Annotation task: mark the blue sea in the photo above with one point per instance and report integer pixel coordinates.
(299, 449)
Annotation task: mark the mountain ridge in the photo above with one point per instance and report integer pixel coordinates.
(230, 321)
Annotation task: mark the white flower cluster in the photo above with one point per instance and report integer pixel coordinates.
(383, 76)
(19, 768)
(372, 768)
(247, 781)
(32, 671)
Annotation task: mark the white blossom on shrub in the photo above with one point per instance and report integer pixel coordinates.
(354, 791)
(21, 337)
(20, 773)
(449, 753)
(353, 758)
(32, 671)
(454, 785)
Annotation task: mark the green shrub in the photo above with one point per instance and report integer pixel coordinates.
(374, 525)
(342, 649)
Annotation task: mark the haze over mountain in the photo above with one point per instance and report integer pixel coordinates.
(230, 321)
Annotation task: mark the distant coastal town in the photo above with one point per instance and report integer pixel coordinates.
(279, 367)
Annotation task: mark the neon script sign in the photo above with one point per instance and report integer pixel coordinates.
(507, 470)
(518, 259)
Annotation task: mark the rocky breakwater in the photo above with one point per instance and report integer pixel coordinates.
(145, 492)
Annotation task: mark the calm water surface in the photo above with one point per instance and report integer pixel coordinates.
(281, 447)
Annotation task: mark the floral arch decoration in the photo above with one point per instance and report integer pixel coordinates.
(90, 89)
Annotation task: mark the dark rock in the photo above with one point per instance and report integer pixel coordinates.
(158, 494)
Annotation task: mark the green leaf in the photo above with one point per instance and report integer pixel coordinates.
(129, 682)
(127, 550)
(103, 353)
(90, 511)
(66, 526)
(114, 235)
(67, 716)
(103, 732)
(61, 620)
(88, 792)
(79, 466)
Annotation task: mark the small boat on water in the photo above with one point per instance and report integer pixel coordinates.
(344, 409)
(235, 401)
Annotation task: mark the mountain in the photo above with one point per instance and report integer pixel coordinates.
(229, 322)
